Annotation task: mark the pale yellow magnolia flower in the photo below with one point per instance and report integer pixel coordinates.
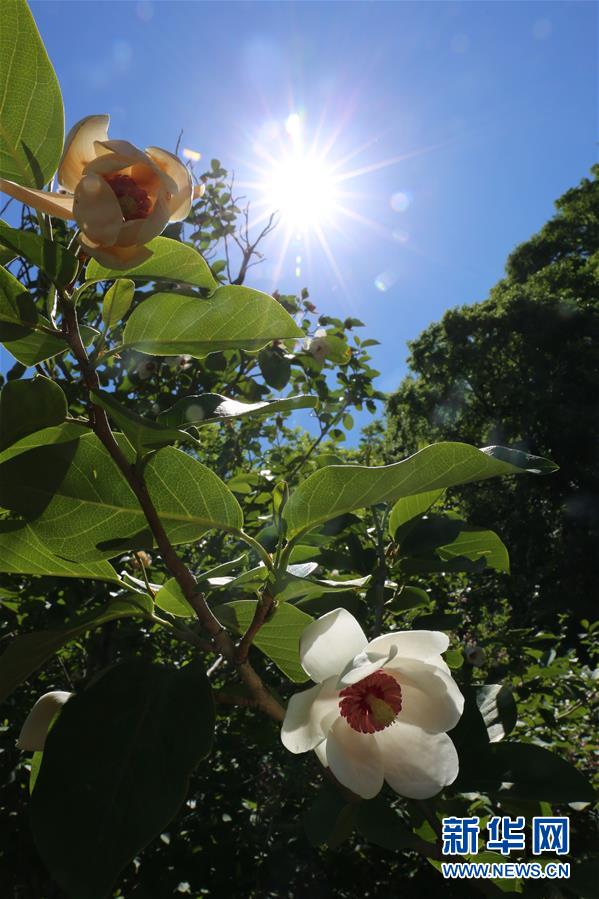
(121, 197)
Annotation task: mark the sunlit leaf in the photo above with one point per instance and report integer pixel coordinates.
(278, 638)
(171, 260)
(31, 111)
(81, 507)
(116, 302)
(210, 407)
(336, 489)
(168, 324)
(58, 263)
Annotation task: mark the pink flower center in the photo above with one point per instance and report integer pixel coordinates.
(133, 200)
(372, 704)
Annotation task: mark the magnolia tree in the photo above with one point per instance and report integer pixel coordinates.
(255, 569)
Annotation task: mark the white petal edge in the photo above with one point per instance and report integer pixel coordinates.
(79, 149)
(59, 205)
(329, 643)
(35, 729)
(180, 203)
(309, 716)
(431, 699)
(417, 764)
(355, 759)
(413, 644)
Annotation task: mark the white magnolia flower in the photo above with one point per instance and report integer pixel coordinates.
(121, 197)
(35, 729)
(318, 346)
(379, 710)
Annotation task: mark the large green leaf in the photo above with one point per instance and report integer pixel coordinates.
(204, 408)
(29, 405)
(27, 653)
(171, 260)
(24, 332)
(64, 433)
(115, 771)
(31, 112)
(337, 489)
(143, 434)
(58, 263)
(81, 507)
(168, 324)
(409, 507)
(117, 301)
(278, 638)
(22, 552)
(477, 543)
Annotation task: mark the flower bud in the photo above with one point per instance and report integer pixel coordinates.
(35, 729)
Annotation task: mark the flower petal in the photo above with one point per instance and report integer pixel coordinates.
(180, 203)
(97, 210)
(355, 759)
(309, 716)
(364, 664)
(417, 764)
(321, 753)
(127, 152)
(140, 231)
(35, 729)
(414, 644)
(430, 697)
(60, 205)
(121, 258)
(79, 149)
(329, 643)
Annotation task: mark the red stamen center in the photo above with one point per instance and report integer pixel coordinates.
(133, 200)
(372, 704)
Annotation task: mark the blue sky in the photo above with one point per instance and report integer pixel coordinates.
(492, 104)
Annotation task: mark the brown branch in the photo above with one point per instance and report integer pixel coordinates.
(221, 640)
(263, 609)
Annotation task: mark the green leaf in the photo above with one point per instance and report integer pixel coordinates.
(477, 543)
(58, 263)
(167, 324)
(498, 709)
(27, 653)
(274, 367)
(29, 405)
(31, 112)
(81, 507)
(336, 489)
(117, 301)
(205, 408)
(296, 587)
(330, 818)
(278, 638)
(380, 824)
(22, 552)
(531, 771)
(409, 598)
(115, 771)
(64, 433)
(143, 434)
(425, 534)
(170, 599)
(171, 260)
(26, 334)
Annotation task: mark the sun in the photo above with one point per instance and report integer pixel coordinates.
(301, 189)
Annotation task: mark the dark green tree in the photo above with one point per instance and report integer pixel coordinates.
(521, 368)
